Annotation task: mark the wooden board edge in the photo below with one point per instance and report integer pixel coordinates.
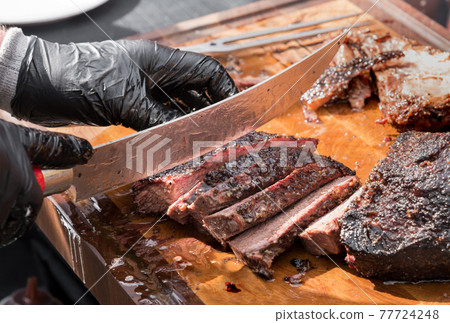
(399, 12)
(77, 252)
(418, 26)
(264, 9)
(421, 17)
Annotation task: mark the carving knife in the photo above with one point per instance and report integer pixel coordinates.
(151, 151)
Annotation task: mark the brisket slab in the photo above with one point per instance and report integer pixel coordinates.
(155, 194)
(233, 182)
(399, 228)
(263, 205)
(414, 90)
(323, 237)
(258, 246)
(334, 82)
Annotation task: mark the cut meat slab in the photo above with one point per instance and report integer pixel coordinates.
(263, 205)
(414, 90)
(399, 229)
(334, 82)
(233, 182)
(155, 194)
(258, 246)
(359, 90)
(323, 237)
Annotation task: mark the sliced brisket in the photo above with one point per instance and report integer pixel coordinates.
(399, 228)
(155, 194)
(323, 236)
(258, 246)
(334, 82)
(235, 181)
(263, 205)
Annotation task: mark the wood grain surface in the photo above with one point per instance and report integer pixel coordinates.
(174, 264)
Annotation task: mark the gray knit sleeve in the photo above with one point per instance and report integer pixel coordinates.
(12, 52)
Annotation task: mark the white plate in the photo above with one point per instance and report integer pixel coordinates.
(25, 12)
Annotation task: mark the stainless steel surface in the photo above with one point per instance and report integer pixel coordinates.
(57, 181)
(229, 44)
(123, 161)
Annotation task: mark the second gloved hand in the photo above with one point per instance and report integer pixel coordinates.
(21, 195)
(124, 82)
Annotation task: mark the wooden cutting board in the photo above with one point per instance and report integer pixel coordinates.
(172, 264)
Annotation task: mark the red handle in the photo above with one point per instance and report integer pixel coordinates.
(40, 177)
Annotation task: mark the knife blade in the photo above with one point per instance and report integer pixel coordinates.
(154, 150)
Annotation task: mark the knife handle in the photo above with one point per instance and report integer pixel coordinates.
(53, 181)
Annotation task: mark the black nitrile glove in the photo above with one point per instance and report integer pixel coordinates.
(114, 83)
(21, 195)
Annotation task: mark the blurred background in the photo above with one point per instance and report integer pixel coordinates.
(438, 10)
(33, 255)
(119, 18)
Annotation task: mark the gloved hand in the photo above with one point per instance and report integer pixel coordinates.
(21, 195)
(124, 82)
